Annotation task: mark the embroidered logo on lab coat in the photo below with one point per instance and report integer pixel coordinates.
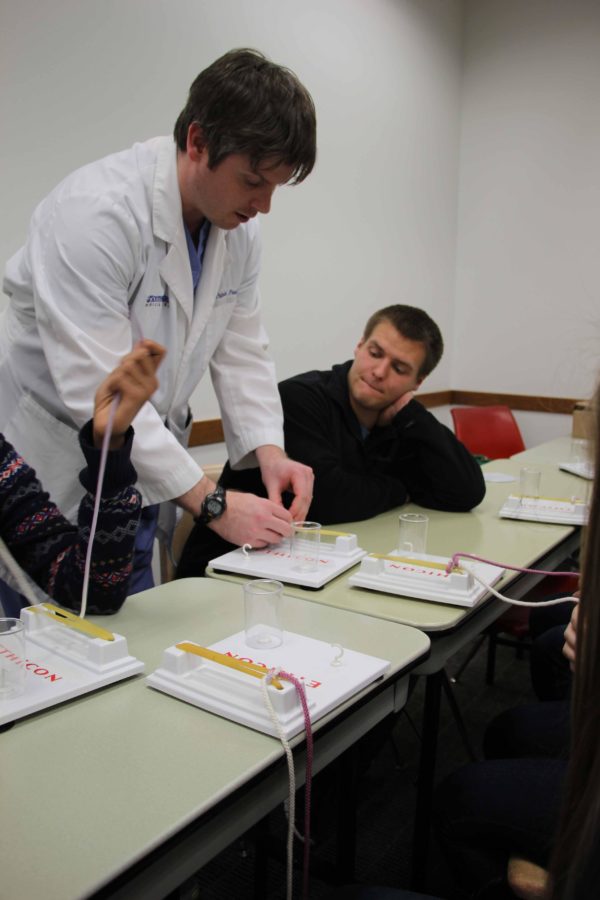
(157, 300)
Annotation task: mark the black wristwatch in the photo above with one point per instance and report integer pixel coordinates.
(213, 506)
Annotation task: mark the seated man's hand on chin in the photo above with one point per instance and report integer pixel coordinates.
(387, 415)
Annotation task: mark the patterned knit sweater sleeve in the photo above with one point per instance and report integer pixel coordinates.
(52, 550)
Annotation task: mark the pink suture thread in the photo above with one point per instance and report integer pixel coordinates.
(101, 468)
(135, 326)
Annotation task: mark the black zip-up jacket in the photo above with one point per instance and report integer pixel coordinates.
(414, 458)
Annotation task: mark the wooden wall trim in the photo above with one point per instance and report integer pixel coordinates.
(435, 398)
(206, 431)
(210, 431)
(562, 405)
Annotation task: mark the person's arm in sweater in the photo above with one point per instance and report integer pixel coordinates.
(52, 550)
(46, 545)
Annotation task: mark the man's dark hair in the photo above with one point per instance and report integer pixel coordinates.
(244, 103)
(414, 324)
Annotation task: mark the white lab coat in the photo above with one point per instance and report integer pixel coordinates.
(106, 262)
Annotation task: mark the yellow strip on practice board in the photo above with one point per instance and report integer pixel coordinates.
(65, 617)
(333, 533)
(415, 562)
(571, 501)
(223, 660)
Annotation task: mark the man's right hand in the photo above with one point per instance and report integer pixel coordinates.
(249, 519)
(133, 381)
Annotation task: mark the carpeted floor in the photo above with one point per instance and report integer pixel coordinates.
(386, 796)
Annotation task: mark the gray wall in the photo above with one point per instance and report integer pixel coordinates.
(458, 162)
(374, 224)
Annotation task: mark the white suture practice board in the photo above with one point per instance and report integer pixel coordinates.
(416, 579)
(583, 469)
(545, 509)
(276, 562)
(61, 663)
(237, 696)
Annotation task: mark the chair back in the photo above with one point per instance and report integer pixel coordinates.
(491, 431)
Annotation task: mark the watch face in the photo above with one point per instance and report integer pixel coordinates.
(214, 506)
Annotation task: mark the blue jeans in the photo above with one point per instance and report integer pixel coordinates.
(535, 730)
(141, 576)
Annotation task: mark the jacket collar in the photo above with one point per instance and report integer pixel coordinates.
(337, 388)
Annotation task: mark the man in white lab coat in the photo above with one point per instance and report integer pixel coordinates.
(160, 241)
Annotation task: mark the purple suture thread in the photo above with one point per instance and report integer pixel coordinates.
(135, 326)
(453, 564)
(301, 691)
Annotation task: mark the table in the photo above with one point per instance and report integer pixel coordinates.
(557, 450)
(127, 792)
(483, 532)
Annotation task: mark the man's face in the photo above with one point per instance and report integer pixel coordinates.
(386, 365)
(232, 192)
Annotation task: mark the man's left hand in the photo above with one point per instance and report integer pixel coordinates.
(281, 474)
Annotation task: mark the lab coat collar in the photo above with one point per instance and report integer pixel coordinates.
(167, 219)
(168, 226)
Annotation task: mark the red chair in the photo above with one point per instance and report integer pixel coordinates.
(490, 431)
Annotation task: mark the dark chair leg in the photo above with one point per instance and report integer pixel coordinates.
(460, 722)
(261, 858)
(346, 825)
(472, 652)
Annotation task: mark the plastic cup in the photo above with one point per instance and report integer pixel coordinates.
(412, 537)
(529, 483)
(306, 543)
(262, 610)
(12, 659)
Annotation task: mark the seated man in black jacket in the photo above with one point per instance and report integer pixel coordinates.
(371, 445)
